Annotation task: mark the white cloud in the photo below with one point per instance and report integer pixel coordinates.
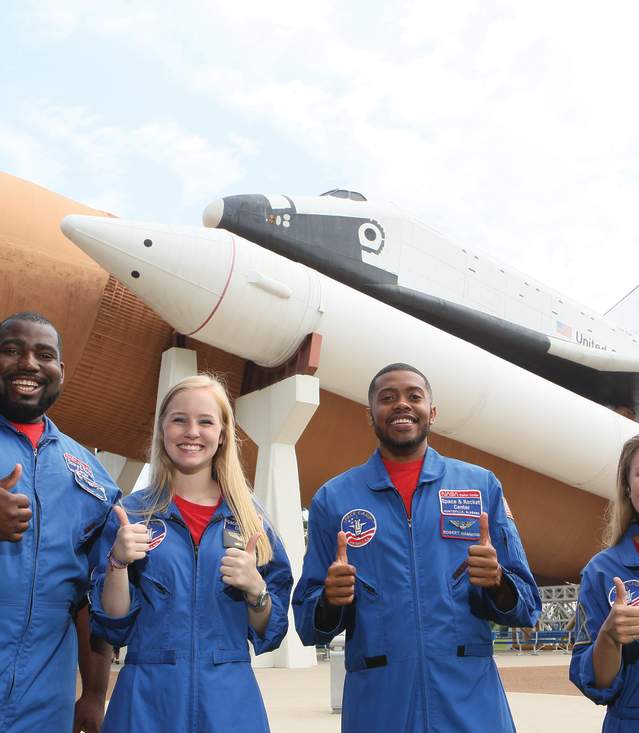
(511, 126)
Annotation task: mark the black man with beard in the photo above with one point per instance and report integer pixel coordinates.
(412, 554)
(54, 498)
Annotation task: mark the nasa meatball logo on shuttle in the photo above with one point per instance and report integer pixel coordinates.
(360, 527)
(632, 593)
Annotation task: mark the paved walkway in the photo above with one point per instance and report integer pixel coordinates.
(541, 697)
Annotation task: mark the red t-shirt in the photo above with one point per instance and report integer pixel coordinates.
(33, 430)
(404, 477)
(196, 516)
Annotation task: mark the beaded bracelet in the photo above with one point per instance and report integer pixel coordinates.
(114, 562)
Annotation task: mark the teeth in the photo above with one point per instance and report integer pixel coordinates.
(26, 383)
(189, 447)
(402, 421)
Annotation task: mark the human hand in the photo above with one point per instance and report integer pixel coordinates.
(89, 714)
(622, 623)
(484, 569)
(239, 569)
(14, 508)
(132, 540)
(339, 584)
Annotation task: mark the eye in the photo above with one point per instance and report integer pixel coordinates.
(10, 350)
(46, 356)
(178, 419)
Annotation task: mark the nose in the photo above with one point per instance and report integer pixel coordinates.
(192, 429)
(28, 361)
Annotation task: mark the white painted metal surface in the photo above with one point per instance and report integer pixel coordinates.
(198, 280)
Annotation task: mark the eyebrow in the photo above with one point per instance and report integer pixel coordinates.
(175, 413)
(21, 342)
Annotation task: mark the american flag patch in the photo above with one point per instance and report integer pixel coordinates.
(563, 329)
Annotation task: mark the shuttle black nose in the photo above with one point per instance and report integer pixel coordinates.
(213, 213)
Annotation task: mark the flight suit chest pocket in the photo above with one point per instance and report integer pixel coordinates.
(154, 620)
(366, 646)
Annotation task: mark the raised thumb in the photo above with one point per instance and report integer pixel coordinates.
(9, 481)
(620, 600)
(342, 554)
(484, 532)
(252, 543)
(121, 515)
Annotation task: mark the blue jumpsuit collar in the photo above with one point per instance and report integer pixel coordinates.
(51, 431)
(432, 469)
(626, 548)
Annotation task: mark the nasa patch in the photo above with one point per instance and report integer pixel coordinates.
(360, 527)
(83, 474)
(632, 593)
(157, 532)
(460, 512)
(233, 534)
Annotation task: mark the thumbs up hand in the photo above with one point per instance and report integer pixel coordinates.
(239, 569)
(14, 508)
(622, 623)
(339, 584)
(132, 540)
(484, 569)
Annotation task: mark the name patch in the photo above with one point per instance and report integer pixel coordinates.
(460, 512)
(232, 535)
(83, 474)
(360, 527)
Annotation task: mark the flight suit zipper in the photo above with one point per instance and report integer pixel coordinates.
(418, 621)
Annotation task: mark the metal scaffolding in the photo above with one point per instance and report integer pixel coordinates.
(559, 605)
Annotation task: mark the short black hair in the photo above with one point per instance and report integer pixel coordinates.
(33, 317)
(397, 367)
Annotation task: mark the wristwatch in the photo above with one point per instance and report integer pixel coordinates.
(260, 601)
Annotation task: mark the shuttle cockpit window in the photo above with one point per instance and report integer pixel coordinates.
(340, 193)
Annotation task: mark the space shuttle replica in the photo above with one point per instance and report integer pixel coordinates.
(518, 370)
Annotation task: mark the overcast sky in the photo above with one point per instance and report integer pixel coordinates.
(513, 127)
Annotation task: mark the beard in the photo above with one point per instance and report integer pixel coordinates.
(24, 412)
(400, 447)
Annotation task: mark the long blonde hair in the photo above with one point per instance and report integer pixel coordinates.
(620, 511)
(227, 467)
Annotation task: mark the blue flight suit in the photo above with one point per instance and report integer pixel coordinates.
(418, 644)
(595, 599)
(187, 666)
(44, 576)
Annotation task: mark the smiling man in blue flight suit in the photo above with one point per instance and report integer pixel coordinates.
(54, 499)
(412, 554)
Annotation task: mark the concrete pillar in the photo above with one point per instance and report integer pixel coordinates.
(125, 472)
(275, 418)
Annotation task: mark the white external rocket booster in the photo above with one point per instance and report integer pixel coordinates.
(232, 294)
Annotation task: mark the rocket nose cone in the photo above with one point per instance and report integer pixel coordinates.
(213, 213)
(69, 225)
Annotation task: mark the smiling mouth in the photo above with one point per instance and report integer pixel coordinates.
(25, 385)
(190, 447)
(404, 420)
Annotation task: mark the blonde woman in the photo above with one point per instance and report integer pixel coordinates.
(191, 571)
(605, 661)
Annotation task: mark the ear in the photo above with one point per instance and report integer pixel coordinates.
(433, 415)
(220, 442)
(369, 416)
(62, 370)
